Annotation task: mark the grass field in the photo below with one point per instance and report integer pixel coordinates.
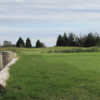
(54, 76)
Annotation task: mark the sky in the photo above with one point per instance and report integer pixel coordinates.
(45, 19)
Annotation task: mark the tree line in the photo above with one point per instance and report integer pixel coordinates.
(21, 44)
(89, 40)
(70, 39)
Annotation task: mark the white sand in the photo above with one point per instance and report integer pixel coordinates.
(4, 74)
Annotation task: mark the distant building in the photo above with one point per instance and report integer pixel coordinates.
(7, 43)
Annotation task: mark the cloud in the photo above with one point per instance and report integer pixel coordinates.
(47, 18)
(58, 11)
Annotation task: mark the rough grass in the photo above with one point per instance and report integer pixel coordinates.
(37, 76)
(52, 49)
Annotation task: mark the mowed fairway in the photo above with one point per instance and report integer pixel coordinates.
(69, 76)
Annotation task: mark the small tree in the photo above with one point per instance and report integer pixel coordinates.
(20, 43)
(28, 43)
(39, 44)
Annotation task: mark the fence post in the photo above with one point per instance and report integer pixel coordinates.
(5, 58)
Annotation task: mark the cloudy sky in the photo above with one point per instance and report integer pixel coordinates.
(45, 19)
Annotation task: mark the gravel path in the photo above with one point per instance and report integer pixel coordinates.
(4, 74)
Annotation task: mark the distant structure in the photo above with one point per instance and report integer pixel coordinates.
(7, 43)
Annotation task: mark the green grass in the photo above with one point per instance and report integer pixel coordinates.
(50, 49)
(53, 76)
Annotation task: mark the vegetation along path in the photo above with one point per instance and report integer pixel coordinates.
(43, 76)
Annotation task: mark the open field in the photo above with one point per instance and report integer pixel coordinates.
(39, 75)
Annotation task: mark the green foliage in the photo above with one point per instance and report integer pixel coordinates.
(73, 40)
(65, 40)
(59, 41)
(39, 44)
(28, 43)
(90, 40)
(20, 43)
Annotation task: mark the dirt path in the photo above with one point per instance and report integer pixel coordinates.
(4, 74)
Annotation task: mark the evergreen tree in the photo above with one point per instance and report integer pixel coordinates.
(71, 39)
(28, 43)
(20, 43)
(65, 40)
(97, 40)
(39, 44)
(90, 40)
(82, 41)
(77, 41)
(59, 41)
(42, 45)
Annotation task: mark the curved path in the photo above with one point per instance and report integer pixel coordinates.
(4, 74)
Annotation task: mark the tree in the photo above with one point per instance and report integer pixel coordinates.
(39, 44)
(59, 41)
(90, 40)
(97, 40)
(20, 43)
(77, 41)
(28, 43)
(42, 45)
(71, 39)
(82, 41)
(65, 40)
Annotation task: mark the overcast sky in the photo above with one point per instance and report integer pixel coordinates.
(45, 19)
